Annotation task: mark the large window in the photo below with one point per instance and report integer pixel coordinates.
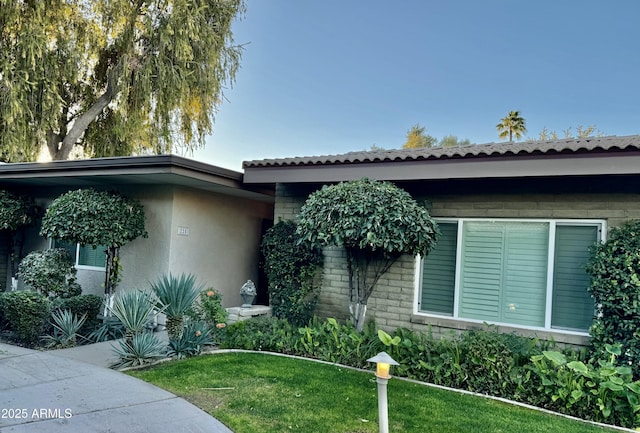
(83, 257)
(518, 272)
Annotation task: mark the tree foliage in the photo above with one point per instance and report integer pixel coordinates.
(512, 124)
(614, 268)
(417, 138)
(581, 132)
(375, 222)
(114, 76)
(96, 218)
(292, 270)
(453, 141)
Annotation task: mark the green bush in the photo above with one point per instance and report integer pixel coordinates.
(292, 271)
(209, 309)
(614, 268)
(82, 305)
(602, 392)
(25, 313)
(50, 272)
(262, 334)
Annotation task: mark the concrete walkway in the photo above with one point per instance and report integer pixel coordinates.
(70, 390)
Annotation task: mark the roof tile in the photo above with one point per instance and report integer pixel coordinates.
(586, 145)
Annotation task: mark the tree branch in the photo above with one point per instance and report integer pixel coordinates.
(82, 122)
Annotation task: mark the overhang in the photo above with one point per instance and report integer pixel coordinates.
(167, 170)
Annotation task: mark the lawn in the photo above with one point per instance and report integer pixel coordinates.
(259, 393)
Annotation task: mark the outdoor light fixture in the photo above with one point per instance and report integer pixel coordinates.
(383, 364)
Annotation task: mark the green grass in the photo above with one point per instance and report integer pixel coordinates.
(276, 394)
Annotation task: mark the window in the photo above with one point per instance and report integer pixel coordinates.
(86, 256)
(518, 272)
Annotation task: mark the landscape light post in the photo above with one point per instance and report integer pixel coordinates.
(383, 364)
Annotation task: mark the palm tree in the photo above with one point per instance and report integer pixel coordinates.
(512, 125)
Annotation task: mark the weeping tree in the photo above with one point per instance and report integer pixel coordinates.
(115, 77)
(16, 214)
(96, 218)
(375, 222)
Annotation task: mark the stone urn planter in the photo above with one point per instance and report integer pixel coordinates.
(248, 293)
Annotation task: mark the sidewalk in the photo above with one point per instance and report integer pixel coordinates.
(56, 391)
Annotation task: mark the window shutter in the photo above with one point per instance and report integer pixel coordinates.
(504, 268)
(90, 256)
(481, 273)
(525, 273)
(439, 272)
(573, 307)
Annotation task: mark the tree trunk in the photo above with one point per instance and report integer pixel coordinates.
(358, 312)
(175, 327)
(111, 275)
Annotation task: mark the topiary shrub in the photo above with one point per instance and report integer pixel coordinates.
(375, 222)
(50, 272)
(614, 268)
(292, 270)
(82, 305)
(25, 313)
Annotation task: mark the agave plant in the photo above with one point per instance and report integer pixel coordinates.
(65, 329)
(135, 309)
(177, 295)
(195, 336)
(109, 330)
(143, 348)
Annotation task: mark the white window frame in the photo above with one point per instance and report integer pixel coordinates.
(553, 223)
(76, 259)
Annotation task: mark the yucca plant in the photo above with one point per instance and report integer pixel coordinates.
(65, 329)
(135, 309)
(178, 296)
(143, 348)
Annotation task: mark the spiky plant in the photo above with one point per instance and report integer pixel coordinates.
(195, 336)
(143, 348)
(65, 329)
(178, 296)
(135, 309)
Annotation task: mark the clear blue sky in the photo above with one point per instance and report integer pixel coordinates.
(333, 76)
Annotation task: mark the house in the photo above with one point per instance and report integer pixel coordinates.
(201, 219)
(517, 220)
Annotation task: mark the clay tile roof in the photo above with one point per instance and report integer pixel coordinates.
(577, 145)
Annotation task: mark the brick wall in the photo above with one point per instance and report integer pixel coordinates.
(392, 302)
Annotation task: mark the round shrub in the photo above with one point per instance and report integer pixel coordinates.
(25, 313)
(292, 270)
(614, 268)
(50, 272)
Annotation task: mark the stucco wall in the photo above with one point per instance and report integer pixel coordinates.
(392, 303)
(144, 259)
(222, 244)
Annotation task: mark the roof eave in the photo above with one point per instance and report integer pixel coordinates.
(576, 164)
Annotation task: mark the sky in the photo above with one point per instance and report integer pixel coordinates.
(335, 76)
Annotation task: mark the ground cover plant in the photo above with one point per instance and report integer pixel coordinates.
(258, 393)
